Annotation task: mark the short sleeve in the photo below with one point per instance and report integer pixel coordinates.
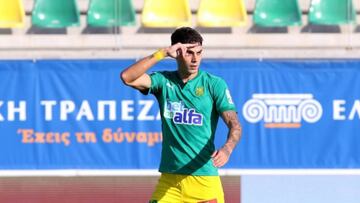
(222, 96)
(157, 80)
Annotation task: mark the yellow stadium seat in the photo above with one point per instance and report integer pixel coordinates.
(224, 13)
(168, 13)
(12, 13)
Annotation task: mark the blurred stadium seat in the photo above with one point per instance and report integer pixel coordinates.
(12, 13)
(225, 13)
(159, 13)
(272, 35)
(111, 13)
(55, 13)
(332, 12)
(277, 13)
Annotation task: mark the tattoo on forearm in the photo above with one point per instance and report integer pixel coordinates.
(231, 120)
(226, 150)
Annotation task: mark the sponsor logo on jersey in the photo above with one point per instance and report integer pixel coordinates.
(182, 115)
(282, 110)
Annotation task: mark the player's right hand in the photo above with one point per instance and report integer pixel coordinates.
(179, 49)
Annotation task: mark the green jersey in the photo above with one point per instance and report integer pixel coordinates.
(189, 115)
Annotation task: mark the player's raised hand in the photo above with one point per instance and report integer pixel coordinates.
(179, 49)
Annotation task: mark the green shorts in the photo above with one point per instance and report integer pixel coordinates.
(173, 188)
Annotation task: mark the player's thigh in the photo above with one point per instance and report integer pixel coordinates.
(203, 189)
(167, 190)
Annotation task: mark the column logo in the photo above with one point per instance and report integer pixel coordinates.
(282, 110)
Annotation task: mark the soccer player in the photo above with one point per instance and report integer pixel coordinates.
(191, 101)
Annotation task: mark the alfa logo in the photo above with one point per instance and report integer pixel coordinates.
(182, 115)
(199, 91)
(282, 110)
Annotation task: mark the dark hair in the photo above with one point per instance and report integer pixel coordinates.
(186, 35)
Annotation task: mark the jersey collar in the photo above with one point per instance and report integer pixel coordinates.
(182, 84)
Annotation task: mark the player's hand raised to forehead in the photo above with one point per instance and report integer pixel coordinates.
(179, 49)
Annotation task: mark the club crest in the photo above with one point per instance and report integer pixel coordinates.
(199, 91)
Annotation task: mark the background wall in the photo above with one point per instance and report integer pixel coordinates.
(300, 188)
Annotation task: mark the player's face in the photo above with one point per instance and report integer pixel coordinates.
(191, 59)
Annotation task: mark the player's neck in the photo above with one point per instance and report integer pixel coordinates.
(186, 76)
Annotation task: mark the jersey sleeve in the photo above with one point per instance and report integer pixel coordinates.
(157, 80)
(222, 97)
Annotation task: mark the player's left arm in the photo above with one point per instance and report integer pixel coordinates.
(221, 156)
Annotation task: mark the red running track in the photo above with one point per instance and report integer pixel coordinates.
(91, 189)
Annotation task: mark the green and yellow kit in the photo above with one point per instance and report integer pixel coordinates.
(190, 113)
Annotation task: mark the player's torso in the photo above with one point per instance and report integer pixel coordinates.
(188, 104)
(188, 119)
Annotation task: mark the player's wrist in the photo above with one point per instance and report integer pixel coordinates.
(159, 55)
(227, 150)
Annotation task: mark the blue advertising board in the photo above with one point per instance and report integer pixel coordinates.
(77, 114)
